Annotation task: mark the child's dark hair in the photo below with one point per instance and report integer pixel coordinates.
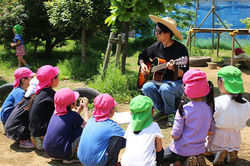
(164, 29)
(210, 96)
(21, 80)
(209, 99)
(236, 97)
(30, 103)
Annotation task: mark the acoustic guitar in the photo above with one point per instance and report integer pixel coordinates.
(157, 69)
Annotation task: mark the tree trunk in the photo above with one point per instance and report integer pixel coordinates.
(83, 44)
(35, 46)
(125, 53)
(48, 47)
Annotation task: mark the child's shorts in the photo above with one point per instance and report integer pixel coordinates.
(20, 50)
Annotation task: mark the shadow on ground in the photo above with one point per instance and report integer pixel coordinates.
(238, 162)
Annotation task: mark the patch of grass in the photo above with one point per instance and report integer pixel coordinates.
(121, 87)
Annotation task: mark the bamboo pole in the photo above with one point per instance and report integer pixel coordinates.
(218, 44)
(232, 59)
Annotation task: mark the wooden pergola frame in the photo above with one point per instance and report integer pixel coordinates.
(232, 32)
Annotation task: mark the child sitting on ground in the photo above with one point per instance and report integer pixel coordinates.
(144, 143)
(192, 121)
(17, 124)
(65, 126)
(23, 76)
(102, 138)
(231, 113)
(43, 106)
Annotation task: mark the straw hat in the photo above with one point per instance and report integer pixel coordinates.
(168, 22)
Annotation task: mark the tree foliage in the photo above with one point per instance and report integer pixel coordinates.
(11, 13)
(51, 21)
(74, 15)
(246, 21)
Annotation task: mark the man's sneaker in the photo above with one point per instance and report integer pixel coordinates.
(201, 160)
(192, 161)
(26, 144)
(73, 159)
(170, 122)
(232, 156)
(159, 115)
(220, 158)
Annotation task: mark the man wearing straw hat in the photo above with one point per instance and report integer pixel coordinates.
(166, 93)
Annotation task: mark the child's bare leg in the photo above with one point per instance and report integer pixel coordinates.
(19, 61)
(23, 61)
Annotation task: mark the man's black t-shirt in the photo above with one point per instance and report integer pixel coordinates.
(175, 51)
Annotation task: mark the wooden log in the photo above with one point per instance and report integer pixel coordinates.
(107, 55)
(118, 50)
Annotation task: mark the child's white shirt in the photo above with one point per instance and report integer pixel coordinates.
(230, 114)
(140, 148)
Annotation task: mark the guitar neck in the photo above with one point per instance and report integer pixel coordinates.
(178, 62)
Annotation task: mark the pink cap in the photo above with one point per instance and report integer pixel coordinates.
(45, 74)
(62, 99)
(196, 84)
(20, 73)
(238, 51)
(103, 104)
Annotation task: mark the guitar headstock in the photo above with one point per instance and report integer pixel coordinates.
(181, 61)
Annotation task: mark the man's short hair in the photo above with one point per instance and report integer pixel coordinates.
(165, 29)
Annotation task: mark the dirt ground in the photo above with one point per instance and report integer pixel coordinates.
(12, 155)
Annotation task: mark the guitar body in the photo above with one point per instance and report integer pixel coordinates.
(157, 76)
(157, 69)
(142, 79)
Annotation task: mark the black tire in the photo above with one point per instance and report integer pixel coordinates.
(199, 61)
(6, 89)
(90, 93)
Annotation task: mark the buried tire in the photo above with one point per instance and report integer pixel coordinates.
(199, 61)
(6, 89)
(90, 93)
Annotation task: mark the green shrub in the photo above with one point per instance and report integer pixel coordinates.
(196, 51)
(121, 87)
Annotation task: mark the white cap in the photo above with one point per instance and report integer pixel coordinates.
(31, 89)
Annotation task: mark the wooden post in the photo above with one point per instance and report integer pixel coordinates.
(190, 42)
(232, 60)
(107, 55)
(118, 50)
(195, 22)
(218, 44)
